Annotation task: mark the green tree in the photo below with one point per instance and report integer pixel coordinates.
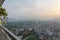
(3, 14)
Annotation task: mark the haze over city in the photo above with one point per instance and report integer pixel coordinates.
(32, 9)
(29, 19)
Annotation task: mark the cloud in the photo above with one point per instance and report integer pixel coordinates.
(28, 9)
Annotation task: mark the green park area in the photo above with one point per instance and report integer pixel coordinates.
(33, 37)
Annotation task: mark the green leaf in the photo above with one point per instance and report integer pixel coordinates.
(0, 5)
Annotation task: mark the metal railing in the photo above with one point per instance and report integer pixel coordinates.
(11, 35)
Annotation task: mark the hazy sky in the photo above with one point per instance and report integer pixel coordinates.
(29, 9)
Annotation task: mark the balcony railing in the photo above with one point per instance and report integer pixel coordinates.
(11, 35)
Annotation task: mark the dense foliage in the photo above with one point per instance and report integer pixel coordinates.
(33, 37)
(3, 12)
